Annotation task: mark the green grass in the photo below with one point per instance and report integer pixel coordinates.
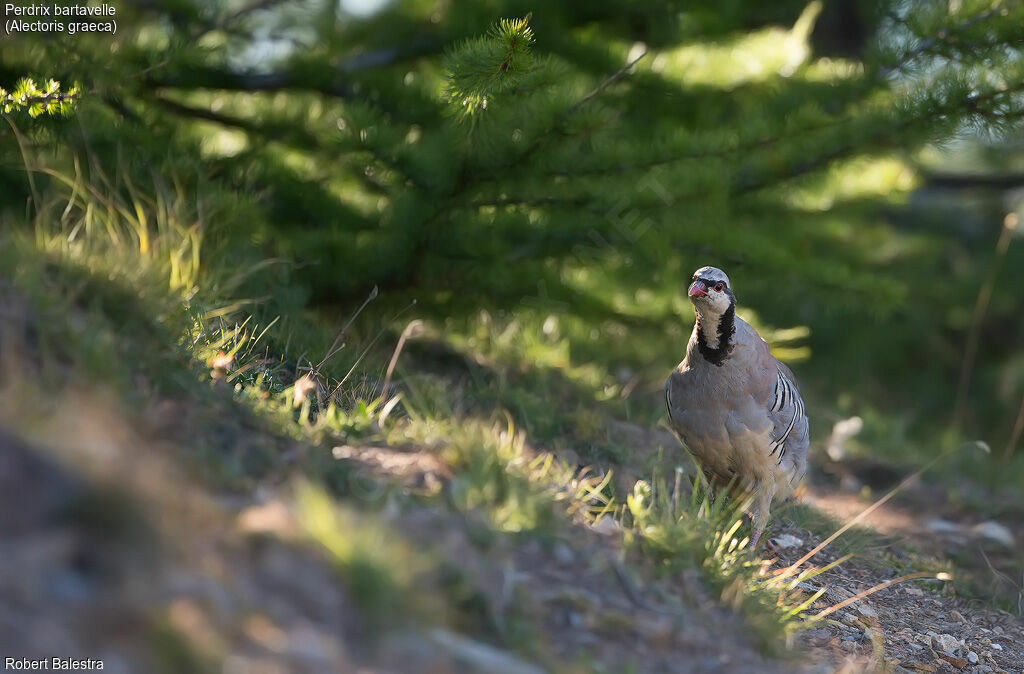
(681, 527)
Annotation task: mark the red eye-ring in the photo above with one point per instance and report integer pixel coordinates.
(719, 286)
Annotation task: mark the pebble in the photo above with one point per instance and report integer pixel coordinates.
(865, 610)
(972, 657)
(941, 526)
(480, 655)
(837, 594)
(994, 531)
(783, 541)
(606, 526)
(948, 643)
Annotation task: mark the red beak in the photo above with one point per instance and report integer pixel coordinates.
(698, 289)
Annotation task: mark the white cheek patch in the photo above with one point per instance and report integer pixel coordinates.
(718, 300)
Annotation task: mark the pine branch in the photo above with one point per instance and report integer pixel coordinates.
(291, 134)
(32, 100)
(27, 95)
(210, 78)
(501, 172)
(958, 181)
(205, 114)
(942, 37)
(246, 10)
(745, 183)
(746, 146)
(877, 139)
(601, 87)
(482, 68)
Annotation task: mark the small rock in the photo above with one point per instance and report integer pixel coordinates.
(481, 656)
(957, 662)
(267, 518)
(994, 531)
(405, 647)
(568, 456)
(941, 526)
(972, 657)
(657, 631)
(837, 594)
(783, 541)
(818, 634)
(850, 483)
(606, 526)
(849, 646)
(865, 610)
(948, 644)
(841, 432)
(564, 554)
(913, 591)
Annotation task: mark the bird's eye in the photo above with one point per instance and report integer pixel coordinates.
(719, 286)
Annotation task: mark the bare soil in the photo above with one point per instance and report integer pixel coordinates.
(112, 549)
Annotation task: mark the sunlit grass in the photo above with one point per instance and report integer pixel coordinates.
(682, 527)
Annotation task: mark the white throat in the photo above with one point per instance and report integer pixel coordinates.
(708, 320)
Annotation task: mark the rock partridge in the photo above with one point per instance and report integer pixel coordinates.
(734, 406)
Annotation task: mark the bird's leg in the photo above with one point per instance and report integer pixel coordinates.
(762, 506)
